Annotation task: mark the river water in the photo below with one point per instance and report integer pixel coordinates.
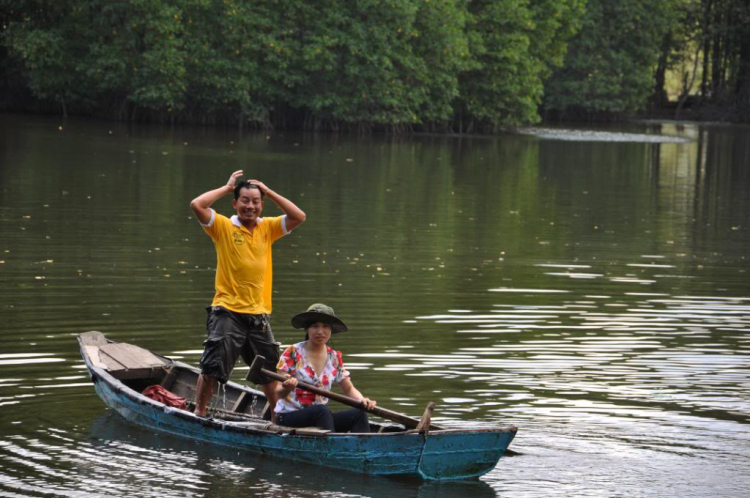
(589, 286)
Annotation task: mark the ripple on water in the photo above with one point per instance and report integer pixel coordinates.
(662, 354)
(64, 463)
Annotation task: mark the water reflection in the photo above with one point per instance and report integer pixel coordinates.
(594, 293)
(116, 459)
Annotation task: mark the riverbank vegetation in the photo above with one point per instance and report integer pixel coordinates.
(432, 65)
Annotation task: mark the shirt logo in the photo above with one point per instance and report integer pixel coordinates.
(238, 238)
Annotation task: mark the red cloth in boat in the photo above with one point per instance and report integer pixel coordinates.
(158, 393)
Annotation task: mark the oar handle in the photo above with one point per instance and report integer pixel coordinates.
(347, 400)
(408, 422)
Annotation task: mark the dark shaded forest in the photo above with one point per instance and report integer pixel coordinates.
(427, 65)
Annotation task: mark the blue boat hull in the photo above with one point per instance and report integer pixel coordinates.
(443, 454)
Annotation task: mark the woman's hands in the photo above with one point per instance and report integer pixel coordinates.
(289, 384)
(369, 403)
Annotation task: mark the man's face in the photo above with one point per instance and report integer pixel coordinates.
(248, 205)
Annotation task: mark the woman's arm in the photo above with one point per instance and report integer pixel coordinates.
(348, 389)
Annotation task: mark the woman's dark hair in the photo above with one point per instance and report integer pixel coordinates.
(245, 184)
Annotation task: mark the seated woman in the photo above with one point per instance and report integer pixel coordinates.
(313, 362)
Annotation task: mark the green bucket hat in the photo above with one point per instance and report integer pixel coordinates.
(319, 313)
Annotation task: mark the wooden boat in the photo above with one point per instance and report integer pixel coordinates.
(121, 372)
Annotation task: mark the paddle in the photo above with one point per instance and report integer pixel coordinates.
(410, 423)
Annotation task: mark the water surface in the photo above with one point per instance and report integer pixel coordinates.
(589, 286)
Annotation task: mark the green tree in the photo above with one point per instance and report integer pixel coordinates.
(609, 65)
(227, 44)
(46, 49)
(725, 32)
(514, 44)
(372, 62)
(332, 63)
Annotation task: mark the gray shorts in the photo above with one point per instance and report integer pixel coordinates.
(231, 335)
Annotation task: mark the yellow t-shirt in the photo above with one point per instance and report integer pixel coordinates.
(244, 270)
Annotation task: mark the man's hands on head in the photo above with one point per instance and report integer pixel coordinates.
(232, 182)
(261, 186)
(233, 179)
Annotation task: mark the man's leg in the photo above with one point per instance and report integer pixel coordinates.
(260, 341)
(204, 390)
(270, 391)
(221, 350)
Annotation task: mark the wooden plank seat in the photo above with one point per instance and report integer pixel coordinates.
(123, 360)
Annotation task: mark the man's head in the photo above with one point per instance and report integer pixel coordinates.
(248, 201)
(242, 184)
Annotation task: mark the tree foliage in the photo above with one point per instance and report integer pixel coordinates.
(292, 63)
(514, 46)
(624, 48)
(724, 32)
(609, 65)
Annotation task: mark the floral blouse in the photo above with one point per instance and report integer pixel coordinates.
(294, 362)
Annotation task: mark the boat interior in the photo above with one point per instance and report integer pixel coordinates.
(139, 369)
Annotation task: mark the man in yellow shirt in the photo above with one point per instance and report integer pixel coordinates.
(238, 318)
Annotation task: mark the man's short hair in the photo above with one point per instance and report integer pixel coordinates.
(245, 184)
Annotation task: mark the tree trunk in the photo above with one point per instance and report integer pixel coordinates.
(718, 28)
(688, 86)
(705, 30)
(742, 89)
(659, 98)
(64, 108)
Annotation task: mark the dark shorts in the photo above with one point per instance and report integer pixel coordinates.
(231, 335)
